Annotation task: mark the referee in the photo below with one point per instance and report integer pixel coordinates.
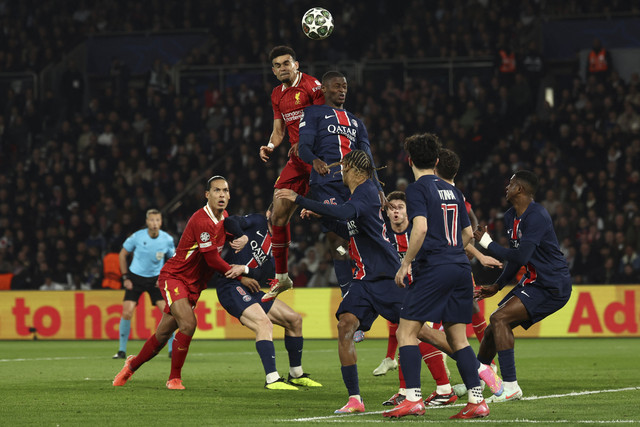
(151, 247)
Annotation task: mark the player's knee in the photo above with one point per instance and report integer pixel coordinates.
(264, 325)
(188, 327)
(295, 323)
(346, 328)
(498, 319)
(127, 314)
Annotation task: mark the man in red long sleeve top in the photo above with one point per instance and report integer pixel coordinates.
(184, 277)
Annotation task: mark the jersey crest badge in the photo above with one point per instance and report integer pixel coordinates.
(297, 98)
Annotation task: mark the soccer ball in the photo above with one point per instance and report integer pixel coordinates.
(317, 23)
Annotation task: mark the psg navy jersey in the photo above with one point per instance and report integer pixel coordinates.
(443, 206)
(337, 132)
(371, 251)
(256, 254)
(547, 266)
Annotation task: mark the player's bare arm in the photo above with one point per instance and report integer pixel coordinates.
(277, 135)
(235, 271)
(124, 268)
(485, 291)
(467, 236)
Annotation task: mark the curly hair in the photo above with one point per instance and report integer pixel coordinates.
(281, 50)
(423, 149)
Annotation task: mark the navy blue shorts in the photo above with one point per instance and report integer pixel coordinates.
(440, 293)
(331, 193)
(367, 300)
(540, 302)
(236, 298)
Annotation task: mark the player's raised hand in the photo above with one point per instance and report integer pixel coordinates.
(250, 283)
(234, 271)
(320, 166)
(485, 291)
(239, 243)
(285, 193)
(265, 152)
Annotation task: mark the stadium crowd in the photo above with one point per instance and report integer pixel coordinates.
(74, 186)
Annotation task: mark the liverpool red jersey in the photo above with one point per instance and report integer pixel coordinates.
(288, 102)
(203, 233)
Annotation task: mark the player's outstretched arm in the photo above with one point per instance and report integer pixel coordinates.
(485, 291)
(277, 135)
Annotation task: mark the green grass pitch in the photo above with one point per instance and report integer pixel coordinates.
(565, 381)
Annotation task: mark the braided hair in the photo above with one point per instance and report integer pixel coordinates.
(360, 161)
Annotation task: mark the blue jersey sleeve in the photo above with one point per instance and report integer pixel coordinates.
(416, 203)
(308, 129)
(130, 244)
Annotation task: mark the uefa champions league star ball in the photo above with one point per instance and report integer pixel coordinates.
(317, 23)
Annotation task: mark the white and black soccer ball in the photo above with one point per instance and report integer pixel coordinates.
(317, 23)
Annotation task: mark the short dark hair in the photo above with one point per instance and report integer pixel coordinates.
(214, 178)
(281, 50)
(528, 180)
(397, 195)
(332, 75)
(449, 163)
(423, 149)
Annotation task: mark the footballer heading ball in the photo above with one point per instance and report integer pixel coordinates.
(317, 23)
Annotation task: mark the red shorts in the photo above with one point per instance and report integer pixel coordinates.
(174, 289)
(295, 176)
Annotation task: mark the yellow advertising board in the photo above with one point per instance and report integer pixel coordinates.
(592, 311)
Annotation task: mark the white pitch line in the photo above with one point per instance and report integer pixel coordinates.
(345, 417)
(195, 354)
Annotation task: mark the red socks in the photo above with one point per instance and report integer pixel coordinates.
(281, 238)
(479, 325)
(150, 348)
(179, 354)
(392, 345)
(435, 362)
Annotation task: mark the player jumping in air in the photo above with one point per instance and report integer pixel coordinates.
(328, 133)
(297, 91)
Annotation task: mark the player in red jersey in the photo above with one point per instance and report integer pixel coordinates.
(297, 91)
(184, 276)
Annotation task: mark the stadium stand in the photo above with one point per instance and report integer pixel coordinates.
(79, 171)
